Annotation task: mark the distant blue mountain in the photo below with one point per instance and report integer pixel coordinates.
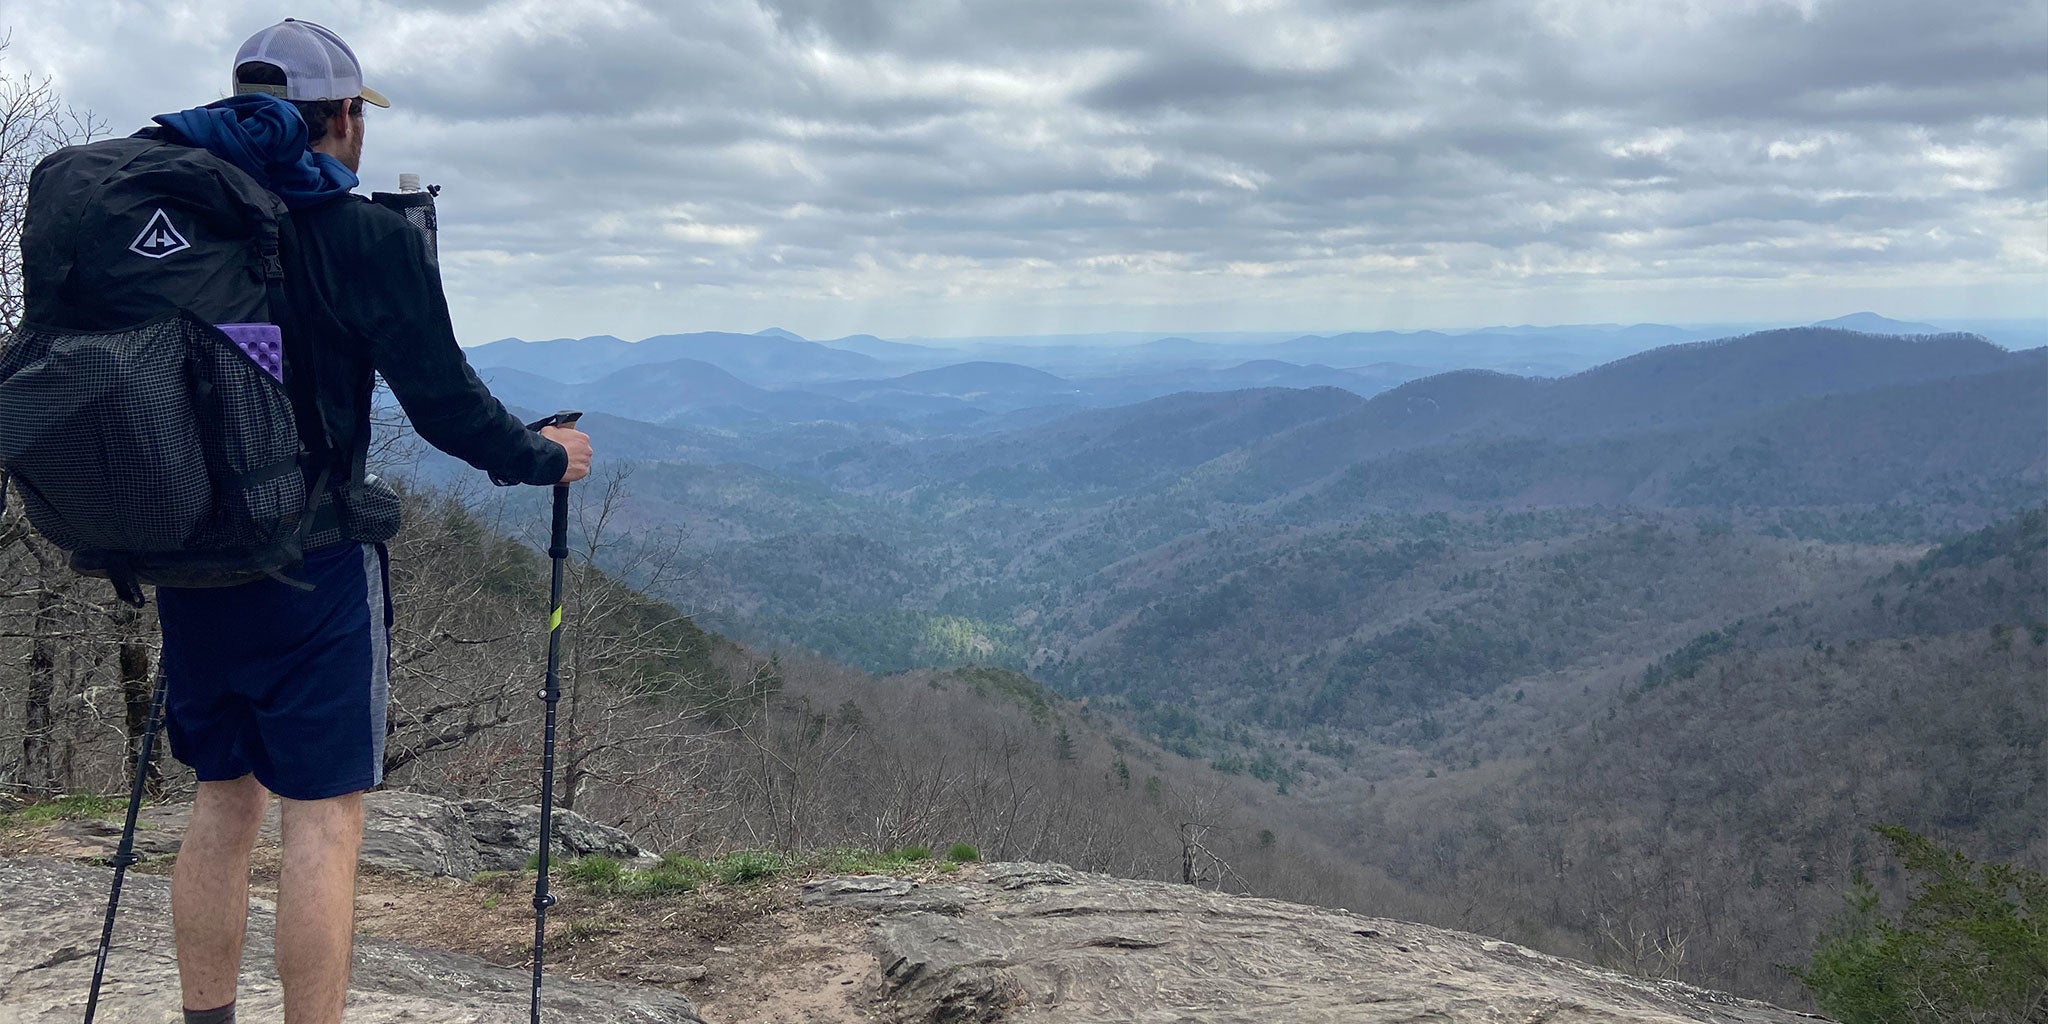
(1173, 347)
(1871, 323)
(1257, 373)
(896, 352)
(678, 391)
(1549, 352)
(1292, 438)
(972, 378)
(759, 359)
(777, 332)
(1002, 388)
(763, 361)
(526, 390)
(956, 396)
(561, 359)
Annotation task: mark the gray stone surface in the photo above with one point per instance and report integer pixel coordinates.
(883, 894)
(50, 926)
(505, 836)
(1010, 943)
(405, 831)
(1036, 944)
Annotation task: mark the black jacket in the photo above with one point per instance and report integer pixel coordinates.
(366, 297)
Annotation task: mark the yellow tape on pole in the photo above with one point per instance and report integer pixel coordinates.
(555, 620)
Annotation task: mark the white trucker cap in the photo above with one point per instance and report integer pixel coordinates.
(317, 65)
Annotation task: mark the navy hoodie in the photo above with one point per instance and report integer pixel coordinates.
(265, 137)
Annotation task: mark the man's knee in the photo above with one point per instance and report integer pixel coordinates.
(231, 808)
(335, 820)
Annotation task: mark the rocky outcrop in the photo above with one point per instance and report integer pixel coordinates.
(50, 929)
(990, 944)
(433, 836)
(403, 831)
(1037, 944)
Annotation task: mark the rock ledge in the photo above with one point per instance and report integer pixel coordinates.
(1041, 943)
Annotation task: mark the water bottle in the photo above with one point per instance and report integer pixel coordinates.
(416, 205)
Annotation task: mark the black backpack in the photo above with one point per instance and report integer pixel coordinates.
(144, 412)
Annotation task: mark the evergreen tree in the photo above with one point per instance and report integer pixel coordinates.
(1970, 947)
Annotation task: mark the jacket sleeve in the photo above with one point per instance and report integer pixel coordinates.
(404, 315)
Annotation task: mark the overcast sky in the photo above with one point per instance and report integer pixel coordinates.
(950, 167)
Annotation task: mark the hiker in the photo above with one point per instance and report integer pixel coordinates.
(277, 689)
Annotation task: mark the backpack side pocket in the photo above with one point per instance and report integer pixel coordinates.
(100, 430)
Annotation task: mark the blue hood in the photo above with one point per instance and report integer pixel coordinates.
(266, 137)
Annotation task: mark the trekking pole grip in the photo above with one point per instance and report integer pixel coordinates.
(558, 537)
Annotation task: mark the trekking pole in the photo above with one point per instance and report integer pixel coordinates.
(124, 855)
(551, 693)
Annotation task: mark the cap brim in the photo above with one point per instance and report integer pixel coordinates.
(372, 96)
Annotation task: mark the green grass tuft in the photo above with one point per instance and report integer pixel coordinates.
(747, 866)
(675, 874)
(66, 808)
(963, 853)
(869, 862)
(598, 874)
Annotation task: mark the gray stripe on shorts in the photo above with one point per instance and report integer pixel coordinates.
(380, 660)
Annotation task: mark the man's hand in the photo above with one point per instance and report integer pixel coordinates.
(577, 444)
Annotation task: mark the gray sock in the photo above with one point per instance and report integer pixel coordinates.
(221, 1015)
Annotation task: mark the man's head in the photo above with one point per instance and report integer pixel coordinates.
(310, 66)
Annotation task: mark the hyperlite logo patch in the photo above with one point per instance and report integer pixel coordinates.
(158, 238)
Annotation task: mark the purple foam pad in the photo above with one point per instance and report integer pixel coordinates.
(263, 342)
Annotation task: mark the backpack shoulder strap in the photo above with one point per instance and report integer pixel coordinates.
(303, 382)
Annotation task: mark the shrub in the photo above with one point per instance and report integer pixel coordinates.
(1971, 945)
(963, 853)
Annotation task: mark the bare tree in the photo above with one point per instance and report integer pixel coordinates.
(458, 667)
(624, 657)
(794, 755)
(1198, 813)
(34, 122)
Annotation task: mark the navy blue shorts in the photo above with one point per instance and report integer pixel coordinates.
(285, 684)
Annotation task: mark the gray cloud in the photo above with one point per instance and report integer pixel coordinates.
(841, 165)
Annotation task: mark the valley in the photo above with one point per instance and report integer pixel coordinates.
(1605, 661)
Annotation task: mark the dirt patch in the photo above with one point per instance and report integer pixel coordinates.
(744, 954)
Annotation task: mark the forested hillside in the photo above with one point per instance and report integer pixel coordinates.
(1701, 812)
(1622, 664)
(1602, 664)
(1032, 535)
(691, 741)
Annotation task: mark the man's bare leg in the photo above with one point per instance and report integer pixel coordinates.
(316, 905)
(210, 889)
